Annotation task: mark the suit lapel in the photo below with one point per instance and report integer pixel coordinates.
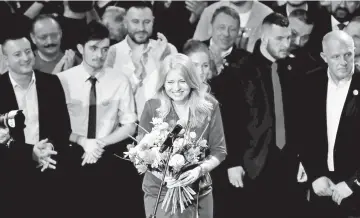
(9, 94)
(41, 91)
(322, 85)
(350, 106)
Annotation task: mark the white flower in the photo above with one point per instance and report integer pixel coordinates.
(156, 121)
(192, 135)
(177, 161)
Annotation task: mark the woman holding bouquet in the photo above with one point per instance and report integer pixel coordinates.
(180, 97)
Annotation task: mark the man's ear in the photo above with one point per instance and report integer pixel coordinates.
(80, 48)
(32, 36)
(323, 56)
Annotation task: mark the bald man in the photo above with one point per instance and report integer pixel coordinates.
(330, 109)
(353, 29)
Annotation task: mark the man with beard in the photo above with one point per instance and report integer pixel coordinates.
(138, 56)
(300, 61)
(353, 29)
(341, 12)
(46, 34)
(260, 160)
(102, 114)
(291, 6)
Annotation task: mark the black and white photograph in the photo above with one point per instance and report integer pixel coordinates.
(180, 109)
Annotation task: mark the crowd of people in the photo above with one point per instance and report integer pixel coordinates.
(271, 85)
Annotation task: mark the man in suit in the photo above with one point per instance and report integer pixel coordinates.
(41, 98)
(300, 61)
(258, 129)
(225, 25)
(330, 149)
(338, 16)
(251, 15)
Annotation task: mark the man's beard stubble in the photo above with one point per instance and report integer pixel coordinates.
(132, 36)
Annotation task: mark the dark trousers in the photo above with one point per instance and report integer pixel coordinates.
(109, 188)
(274, 193)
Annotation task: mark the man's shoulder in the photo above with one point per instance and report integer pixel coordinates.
(261, 8)
(69, 73)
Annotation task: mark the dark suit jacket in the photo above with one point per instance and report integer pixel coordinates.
(21, 178)
(315, 144)
(54, 121)
(248, 113)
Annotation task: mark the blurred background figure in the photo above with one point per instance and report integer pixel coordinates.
(251, 15)
(113, 19)
(46, 34)
(353, 29)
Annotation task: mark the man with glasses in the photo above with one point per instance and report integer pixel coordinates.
(46, 34)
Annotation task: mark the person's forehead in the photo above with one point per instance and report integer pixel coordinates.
(276, 30)
(17, 44)
(335, 46)
(139, 12)
(224, 18)
(99, 43)
(303, 28)
(45, 24)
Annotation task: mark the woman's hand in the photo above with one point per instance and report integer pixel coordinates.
(188, 177)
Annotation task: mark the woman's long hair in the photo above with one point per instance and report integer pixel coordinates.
(199, 103)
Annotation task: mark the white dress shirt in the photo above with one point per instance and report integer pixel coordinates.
(335, 23)
(119, 58)
(27, 101)
(115, 101)
(336, 96)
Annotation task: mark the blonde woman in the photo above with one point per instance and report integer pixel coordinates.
(180, 97)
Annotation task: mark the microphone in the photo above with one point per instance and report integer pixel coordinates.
(168, 141)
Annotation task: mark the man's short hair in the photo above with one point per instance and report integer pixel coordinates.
(95, 31)
(140, 5)
(303, 16)
(276, 19)
(114, 13)
(228, 11)
(43, 17)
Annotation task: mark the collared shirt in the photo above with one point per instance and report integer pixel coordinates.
(115, 101)
(290, 8)
(27, 101)
(223, 54)
(335, 23)
(336, 96)
(119, 58)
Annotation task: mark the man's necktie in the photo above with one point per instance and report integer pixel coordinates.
(92, 109)
(341, 26)
(279, 110)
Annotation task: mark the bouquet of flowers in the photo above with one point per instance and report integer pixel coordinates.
(188, 151)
